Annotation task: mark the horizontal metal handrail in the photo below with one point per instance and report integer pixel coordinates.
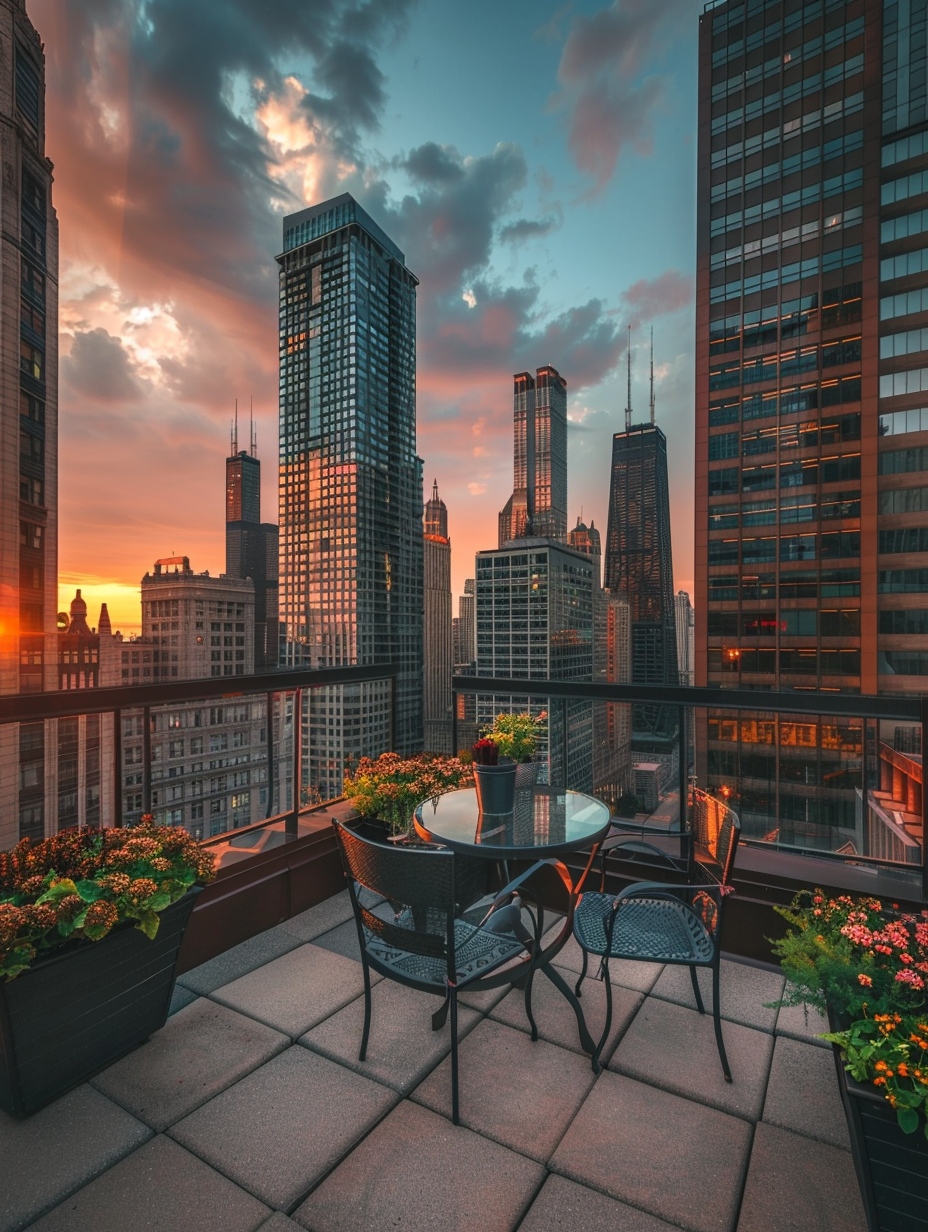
(69, 703)
(852, 705)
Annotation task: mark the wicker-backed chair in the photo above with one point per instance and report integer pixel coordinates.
(675, 924)
(426, 937)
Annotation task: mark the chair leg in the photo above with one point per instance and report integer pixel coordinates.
(528, 1004)
(365, 1034)
(696, 991)
(717, 1017)
(605, 1035)
(582, 974)
(455, 1111)
(440, 1017)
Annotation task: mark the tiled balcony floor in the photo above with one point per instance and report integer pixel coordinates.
(250, 1110)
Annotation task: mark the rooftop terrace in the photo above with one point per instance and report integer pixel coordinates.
(250, 1109)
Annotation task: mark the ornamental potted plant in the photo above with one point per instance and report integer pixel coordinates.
(867, 968)
(388, 789)
(494, 779)
(515, 735)
(91, 922)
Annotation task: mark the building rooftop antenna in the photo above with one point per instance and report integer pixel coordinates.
(628, 363)
(652, 375)
(251, 427)
(235, 431)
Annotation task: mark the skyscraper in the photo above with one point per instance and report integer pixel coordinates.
(436, 642)
(28, 424)
(350, 482)
(251, 546)
(683, 618)
(538, 505)
(812, 298)
(639, 566)
(586, 539)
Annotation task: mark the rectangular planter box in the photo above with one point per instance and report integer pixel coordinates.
(892, 1167)
(76, 1012)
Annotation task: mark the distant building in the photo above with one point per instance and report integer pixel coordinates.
(251, 548)
(209, 762)
(538, 505)
(535, 601)
(28, 428)
(464, 637)
(684, 622)
(639, 564)
(350, 484)
(612, 761)
(437, 650)
(586, 539)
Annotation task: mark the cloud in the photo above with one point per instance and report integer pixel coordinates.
(98, 367)
(654, 297)
(528, 229)
(605, 90)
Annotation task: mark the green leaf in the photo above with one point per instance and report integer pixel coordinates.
(61, 889)
(89, 891)
(148, 923)
(908, 1119)
(159, 901)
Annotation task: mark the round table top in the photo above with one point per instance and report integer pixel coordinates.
(546, 821)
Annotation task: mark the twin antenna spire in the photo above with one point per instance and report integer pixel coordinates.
(628, 364)
(252, 430)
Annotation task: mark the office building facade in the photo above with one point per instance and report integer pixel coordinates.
(685, 624)
(350, 483)
(251, 548)
(28, 427)
(538, 505)
(534, 605)
(811, 437)
(639, 566)
(437, 662)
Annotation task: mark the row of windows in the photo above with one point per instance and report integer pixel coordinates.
(762, 326)
(902, 461)
(788, 201)
(787, 475)
(798, 661)
(908, 147)
(791, 128)
(802, 160)
(912, 381)
(830, 584)
(804, 508)
(791, 401)
(791, 436)
(831, 546)
(793, 272)
(803, 622)
(904, 264)
(796, 89)
(903, 226)
(904, 304)
(906, 186)
(787, 237)
(787, 364)
(912, 340)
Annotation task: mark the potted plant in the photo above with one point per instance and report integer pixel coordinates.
(867, 968)
(515, 735)
(91, 922)
(390, 787)
(494, 778)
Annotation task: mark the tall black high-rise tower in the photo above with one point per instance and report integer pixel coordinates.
(251, 547)
(639, 563)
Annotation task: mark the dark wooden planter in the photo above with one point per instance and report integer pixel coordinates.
(892, 1167)
(75, 1012)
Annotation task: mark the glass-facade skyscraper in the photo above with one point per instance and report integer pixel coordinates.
(812, 399)
(350, 483)
(538, 505)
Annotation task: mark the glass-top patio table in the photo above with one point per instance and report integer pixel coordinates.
(545, 823)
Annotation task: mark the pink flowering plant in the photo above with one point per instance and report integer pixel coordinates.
(79, 884)
(868, 966)
(391, 786)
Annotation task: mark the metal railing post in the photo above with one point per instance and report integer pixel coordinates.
(454, 722)
(146, 759)
(117, 765)
(564, 743)
(269, 732)
(293, 817)
(683, 771)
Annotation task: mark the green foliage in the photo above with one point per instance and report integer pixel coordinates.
(79, 884)
(515, 735)
(391, 787)
(868, 967)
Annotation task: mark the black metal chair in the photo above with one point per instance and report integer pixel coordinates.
(428, 936)
(652, 921)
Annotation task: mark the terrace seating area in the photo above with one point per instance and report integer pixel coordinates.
(251, 1110)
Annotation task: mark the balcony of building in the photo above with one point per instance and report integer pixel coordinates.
(250, 1108)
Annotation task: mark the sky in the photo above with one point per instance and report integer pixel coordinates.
(535, 163)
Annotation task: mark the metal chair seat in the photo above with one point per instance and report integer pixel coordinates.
(648, 929)
(476, 952)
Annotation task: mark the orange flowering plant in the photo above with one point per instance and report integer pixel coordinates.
(79, 884)
(869, 966)
(391, 786)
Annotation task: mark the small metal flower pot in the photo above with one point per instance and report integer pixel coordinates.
(496, 787)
